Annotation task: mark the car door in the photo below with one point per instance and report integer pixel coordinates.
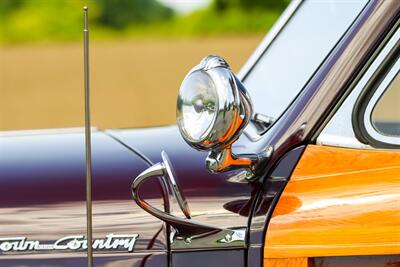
(341, 206)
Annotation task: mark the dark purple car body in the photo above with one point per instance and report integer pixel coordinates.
(42, 174)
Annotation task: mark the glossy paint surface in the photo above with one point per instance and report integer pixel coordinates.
(42, 193)
(154, 259)
(338, 202)
(266, 202)
(221, 200)
(42, 197)
(231, 258)
(353, 261)
(304, 118)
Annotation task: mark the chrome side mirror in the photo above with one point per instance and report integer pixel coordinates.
(213, 108)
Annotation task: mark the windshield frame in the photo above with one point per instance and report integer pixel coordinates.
(255, 59)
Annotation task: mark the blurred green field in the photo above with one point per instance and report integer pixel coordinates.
(27, 21)
(134, 82)
(140, 52)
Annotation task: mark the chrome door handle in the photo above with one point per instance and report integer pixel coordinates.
(184, 226)
(165, 170)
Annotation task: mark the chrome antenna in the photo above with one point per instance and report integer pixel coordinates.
(88, 145)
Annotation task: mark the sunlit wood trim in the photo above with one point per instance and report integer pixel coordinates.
(289, 262)
(338, 202)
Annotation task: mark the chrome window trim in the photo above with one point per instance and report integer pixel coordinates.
(383, 86)
(339, 130)
(269, 38)
(327, 139)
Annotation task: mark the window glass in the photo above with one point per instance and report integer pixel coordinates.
(386, 113)
(297, 51)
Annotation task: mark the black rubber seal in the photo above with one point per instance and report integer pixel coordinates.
(365, 97)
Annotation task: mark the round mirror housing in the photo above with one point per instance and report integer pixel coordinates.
(213, 108)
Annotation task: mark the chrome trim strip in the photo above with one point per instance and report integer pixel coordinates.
(269, 38)
(327, 139)
(112, 242)
(224, 239)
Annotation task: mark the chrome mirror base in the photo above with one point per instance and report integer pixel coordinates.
(225, 160)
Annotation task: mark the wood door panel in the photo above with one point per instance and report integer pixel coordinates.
(338, 202)
(289, 262)
(348, 261)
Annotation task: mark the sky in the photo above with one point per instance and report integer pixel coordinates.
(185, 6)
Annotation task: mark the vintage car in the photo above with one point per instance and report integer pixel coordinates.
(294, 161)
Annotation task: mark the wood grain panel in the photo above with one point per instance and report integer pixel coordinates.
(356, 261)
(290, 262)
(338, 202)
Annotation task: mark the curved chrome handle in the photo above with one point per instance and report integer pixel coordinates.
(184, 226)
(174, 186)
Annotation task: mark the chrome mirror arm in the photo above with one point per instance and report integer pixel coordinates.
(226, 160)
(223, 159)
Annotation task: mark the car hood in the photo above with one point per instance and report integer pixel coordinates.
(47, 166)
(188, 163)
(42, 185)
